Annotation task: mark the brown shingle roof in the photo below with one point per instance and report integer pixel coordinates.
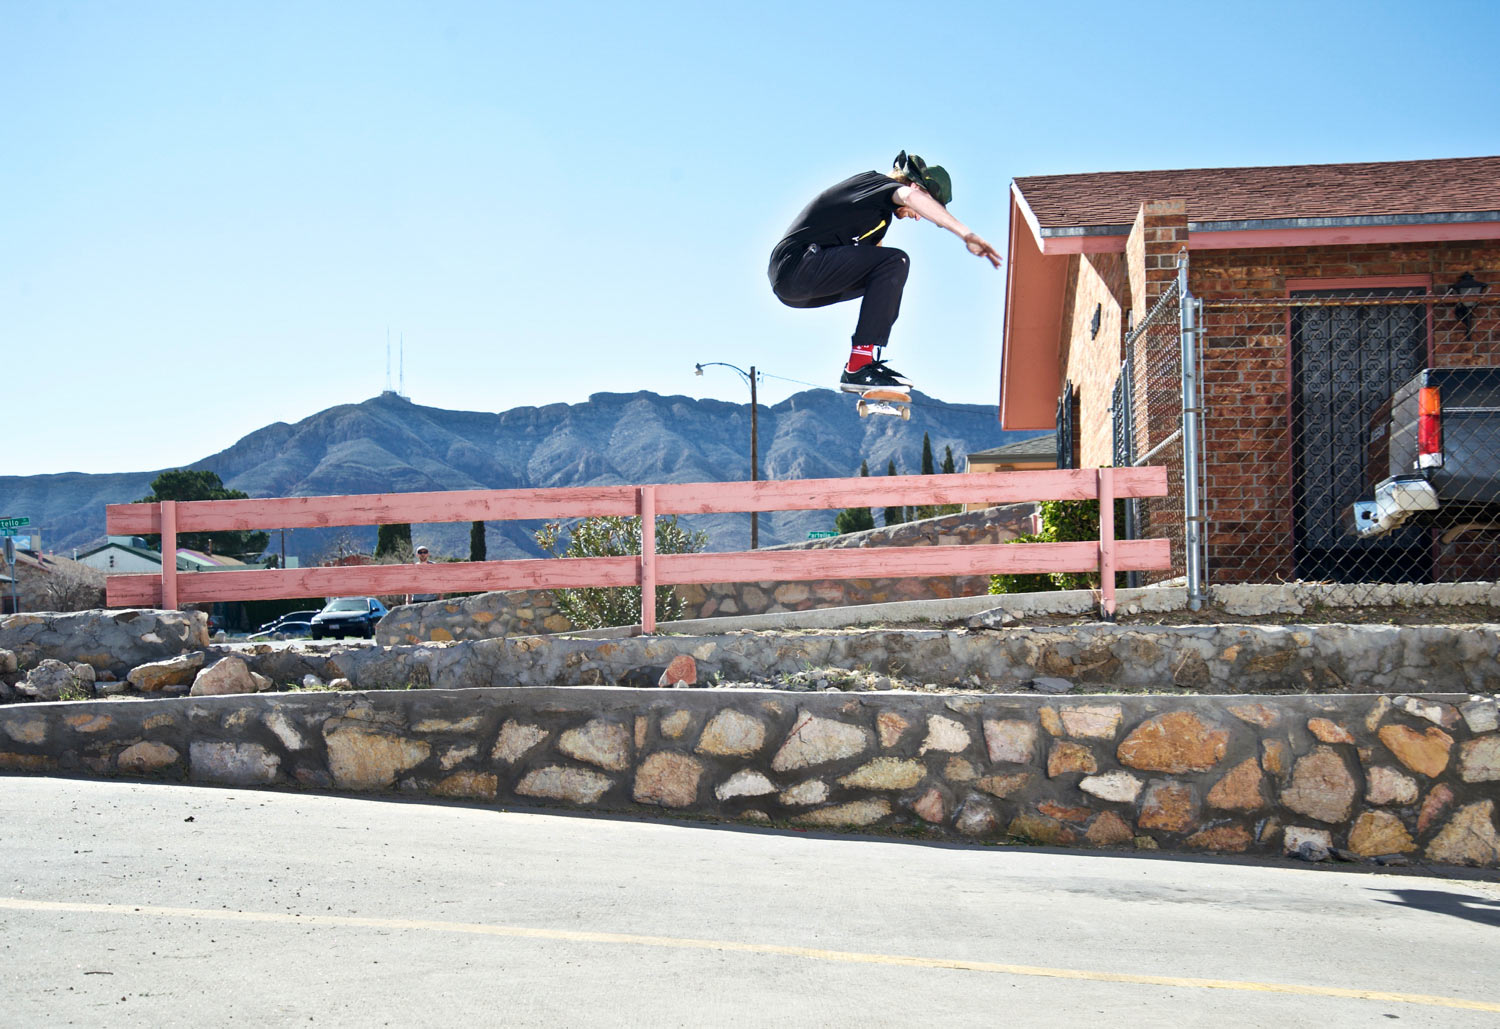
(1374, 190)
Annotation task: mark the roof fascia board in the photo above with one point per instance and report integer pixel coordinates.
(1021, 205)
(1200, 238)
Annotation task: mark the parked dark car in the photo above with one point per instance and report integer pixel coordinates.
(1434, 455)
(348, 616)
(293, 623)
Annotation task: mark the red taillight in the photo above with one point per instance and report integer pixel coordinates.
(1429, 421)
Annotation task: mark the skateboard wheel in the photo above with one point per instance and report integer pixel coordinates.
(862, 408)
(906, 414)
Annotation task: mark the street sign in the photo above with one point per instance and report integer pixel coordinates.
(14, 523)
(821, 534)
(11, 532)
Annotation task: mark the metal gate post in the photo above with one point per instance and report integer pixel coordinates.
(647, 499)
(1192, 409)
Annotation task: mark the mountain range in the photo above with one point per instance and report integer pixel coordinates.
(388, 444)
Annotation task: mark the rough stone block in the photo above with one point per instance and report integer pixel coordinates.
(744, 783)
(367, 759)
(1231, 839)
(1321, 787)
(811, 791)
(945, 734)
(668, 779)
(516, 739)
(1425, 752)
(1065, 757)
(854, 814)
(1469, 837)
(816, 741)
(1117, 787)
(146, 756)
(1170, 806)
(1479, 760)
(1307, 844)
(1109, 830)
(468, 784)
(1092, 721)
(885, 773)
(1386, 785)
(1240, 790)
(598, 742)
(559, 782)
(225, 676)
(890, 726)
(1174, 742)
(732, 733)
(1328, 731)
(234, 764)
(1379, 832)
(1010, 741)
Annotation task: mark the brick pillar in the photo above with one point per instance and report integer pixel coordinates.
(1159, 232)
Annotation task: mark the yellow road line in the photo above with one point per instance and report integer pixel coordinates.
(807, 953)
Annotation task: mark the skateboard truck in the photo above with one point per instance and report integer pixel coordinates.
(894, 403)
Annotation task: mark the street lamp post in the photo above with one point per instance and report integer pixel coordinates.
(754, 438)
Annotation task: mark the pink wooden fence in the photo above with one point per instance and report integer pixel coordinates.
(1106, 555)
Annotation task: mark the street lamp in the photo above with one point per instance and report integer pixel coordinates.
(749, 377)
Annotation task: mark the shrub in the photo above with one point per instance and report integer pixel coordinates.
(1063, 521)
(595, 607)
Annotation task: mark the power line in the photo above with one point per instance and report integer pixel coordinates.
(930, 403)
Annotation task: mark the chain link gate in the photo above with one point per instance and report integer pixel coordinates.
(1353, 436)
(1151, 425)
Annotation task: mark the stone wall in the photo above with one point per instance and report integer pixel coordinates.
(109, 641)
(528, 612)
(1355, 777)
(1208, 658)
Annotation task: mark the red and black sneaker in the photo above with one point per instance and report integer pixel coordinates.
(875, 375)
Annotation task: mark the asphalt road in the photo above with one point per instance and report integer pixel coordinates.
(168, 905)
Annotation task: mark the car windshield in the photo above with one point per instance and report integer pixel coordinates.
(349, 604)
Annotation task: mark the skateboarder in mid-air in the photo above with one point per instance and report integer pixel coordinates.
(832, 253)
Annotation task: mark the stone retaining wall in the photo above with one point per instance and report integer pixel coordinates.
(1208, 658)
(1356, 777)
(112, 641)
(527, 612)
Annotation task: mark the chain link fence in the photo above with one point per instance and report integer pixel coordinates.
(1350, 436)
(1146, 413)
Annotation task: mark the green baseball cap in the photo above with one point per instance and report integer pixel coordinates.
(932, 177)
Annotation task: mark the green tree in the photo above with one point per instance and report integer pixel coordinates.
(949, 467)
(893, 515)
(188, 484)
(477, 548)
(595, 607)
(394, 540)
(927, 510)
(1063, 521)
(855, 519)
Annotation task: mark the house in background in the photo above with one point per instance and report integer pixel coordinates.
(120, 555)
(1035, 454)
(1288, 391)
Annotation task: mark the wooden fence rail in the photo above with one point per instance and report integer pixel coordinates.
(1106, 555)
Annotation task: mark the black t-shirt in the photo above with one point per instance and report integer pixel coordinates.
(857, 211)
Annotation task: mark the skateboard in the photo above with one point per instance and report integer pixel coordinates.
(883, 400)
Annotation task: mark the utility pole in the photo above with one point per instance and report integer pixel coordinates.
(750, 377)
(754, 459)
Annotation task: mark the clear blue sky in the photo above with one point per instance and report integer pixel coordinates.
(212, 213)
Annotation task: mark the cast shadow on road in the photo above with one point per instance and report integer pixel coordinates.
(1459, 905)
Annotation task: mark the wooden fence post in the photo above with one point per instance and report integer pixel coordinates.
(169, 555)
(1107, 543)
(648, 559)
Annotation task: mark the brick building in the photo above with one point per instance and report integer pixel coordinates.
(1324, 288)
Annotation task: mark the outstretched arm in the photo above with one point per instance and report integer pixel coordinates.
(920, 201)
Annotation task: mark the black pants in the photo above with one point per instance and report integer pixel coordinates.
(831, 275)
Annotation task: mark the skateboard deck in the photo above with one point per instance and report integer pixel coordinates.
(895, 403)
